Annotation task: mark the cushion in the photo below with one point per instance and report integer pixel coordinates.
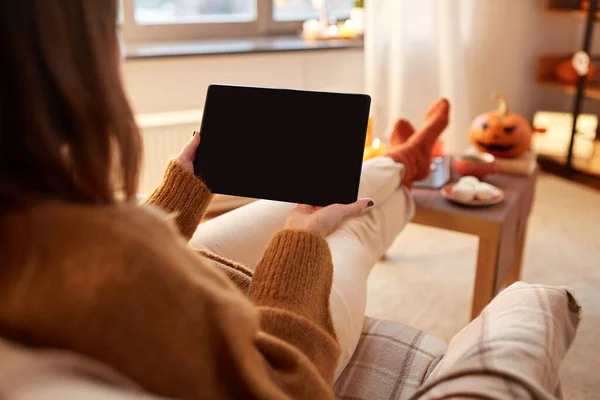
(391, 361)
(512, 350)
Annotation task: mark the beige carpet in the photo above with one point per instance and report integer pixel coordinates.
(428, 278)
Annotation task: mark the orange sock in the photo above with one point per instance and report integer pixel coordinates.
(413, 149)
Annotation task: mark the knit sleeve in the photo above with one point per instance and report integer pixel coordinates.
(291, 288)
(184, 194)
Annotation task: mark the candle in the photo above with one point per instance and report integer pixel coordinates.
(369, 138)
(311, 29)
(346, 29)
(357, 15)
(332, 31)
(375, 149)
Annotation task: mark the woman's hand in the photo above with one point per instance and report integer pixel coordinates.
(187, 156)
(323, 221)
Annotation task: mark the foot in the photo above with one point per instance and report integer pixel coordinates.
(413, 149)
(402, 131)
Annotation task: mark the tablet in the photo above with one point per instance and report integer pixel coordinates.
(279, 144)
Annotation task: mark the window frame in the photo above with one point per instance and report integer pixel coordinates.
(264, 25)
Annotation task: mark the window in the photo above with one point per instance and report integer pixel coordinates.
(179, 20)
(149, 12)
(286, 10)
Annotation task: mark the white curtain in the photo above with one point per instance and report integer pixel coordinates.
(417, 51)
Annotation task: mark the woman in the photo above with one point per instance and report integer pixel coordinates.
(86, 270)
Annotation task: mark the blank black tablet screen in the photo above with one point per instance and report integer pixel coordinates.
(287, 145)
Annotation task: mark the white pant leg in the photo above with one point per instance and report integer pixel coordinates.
(355, 249)
(243, 234)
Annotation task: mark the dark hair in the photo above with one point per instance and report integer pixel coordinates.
(67, 131)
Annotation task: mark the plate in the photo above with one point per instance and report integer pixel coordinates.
(446, 192)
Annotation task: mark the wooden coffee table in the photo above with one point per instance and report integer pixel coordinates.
(501, 229)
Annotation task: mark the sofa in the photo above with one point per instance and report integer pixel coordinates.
(513, 350)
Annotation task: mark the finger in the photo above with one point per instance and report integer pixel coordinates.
(357, 208)
(307, 207)
(190, 149)
(336, 213)
(330, 218)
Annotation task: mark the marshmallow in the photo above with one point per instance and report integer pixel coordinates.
(485, 191)
(463, 192)
(469, 180)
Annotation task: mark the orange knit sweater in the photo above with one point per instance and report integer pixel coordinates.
(119, 284)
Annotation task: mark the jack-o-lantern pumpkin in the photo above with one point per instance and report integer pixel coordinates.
(501, 133)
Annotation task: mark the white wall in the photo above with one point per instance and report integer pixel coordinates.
(507, 38)
(175, 84)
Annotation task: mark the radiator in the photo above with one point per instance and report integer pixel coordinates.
(163, 137)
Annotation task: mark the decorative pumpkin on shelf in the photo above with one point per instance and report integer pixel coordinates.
(500, 132)
(566, 73)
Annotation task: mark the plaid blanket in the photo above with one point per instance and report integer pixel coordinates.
(391, 361)
(513, 350)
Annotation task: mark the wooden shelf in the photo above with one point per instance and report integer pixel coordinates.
(553, 167)
(589, 166)
(546, 65)
(586, 171)
(592, 92)
(579, 14)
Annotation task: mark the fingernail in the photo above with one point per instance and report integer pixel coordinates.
(370, 204)
(194, 134)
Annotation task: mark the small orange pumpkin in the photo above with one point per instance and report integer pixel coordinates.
(500, 132)
(567, 74)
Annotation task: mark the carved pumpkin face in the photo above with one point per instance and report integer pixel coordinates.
(501, 133)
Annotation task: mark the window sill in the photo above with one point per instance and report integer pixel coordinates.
(236, 46)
